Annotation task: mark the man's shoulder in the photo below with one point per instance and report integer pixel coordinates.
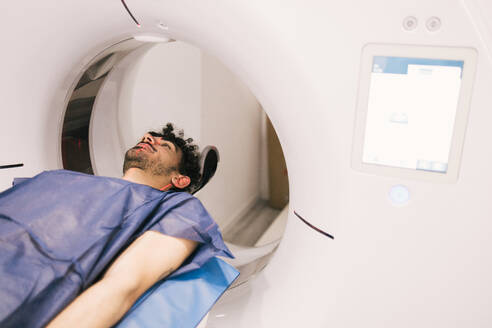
(58, 173)
(74, 175)
(73, 181)
(47, 174)
(179, 198)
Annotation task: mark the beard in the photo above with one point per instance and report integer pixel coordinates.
(141, 160)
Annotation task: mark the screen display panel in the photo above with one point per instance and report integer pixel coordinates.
(411, 112)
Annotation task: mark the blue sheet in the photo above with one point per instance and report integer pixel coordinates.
(181, 301)
(61, 229)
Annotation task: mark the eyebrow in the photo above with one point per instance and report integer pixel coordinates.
(172, 143)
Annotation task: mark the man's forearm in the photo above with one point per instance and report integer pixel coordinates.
(102, 305)
(150, 258)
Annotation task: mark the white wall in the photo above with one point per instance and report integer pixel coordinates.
(231, 120)
(175, 82)
(164, 87)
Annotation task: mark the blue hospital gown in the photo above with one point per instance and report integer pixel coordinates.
(61, 229)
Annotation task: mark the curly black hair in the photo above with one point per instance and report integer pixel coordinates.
(190, 159)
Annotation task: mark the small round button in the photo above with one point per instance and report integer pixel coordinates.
(399, 195)
(410, 23)
(433, 24)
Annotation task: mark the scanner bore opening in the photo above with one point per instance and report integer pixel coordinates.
(254, 229)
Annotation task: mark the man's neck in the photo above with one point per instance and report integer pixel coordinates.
(140, 176)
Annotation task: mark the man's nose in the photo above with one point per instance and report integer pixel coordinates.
(148, 138)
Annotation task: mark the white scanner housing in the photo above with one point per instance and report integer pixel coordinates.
(412, 248)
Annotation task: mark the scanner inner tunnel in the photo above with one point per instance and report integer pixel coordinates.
(134, 87)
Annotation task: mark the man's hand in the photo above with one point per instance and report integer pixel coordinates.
(148, 259)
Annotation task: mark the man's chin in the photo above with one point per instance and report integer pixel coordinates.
(134, 163)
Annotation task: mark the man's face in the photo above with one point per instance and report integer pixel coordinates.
(153, 155)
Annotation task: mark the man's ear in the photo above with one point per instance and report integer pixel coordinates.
(181, 181)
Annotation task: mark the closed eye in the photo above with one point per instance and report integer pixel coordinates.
(169, 145)
(166, 144)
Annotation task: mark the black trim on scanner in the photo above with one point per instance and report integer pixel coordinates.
(130, 13)
(9, 166)
(313, 227)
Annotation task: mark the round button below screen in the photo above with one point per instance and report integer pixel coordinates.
(410, 23)
(399, 195)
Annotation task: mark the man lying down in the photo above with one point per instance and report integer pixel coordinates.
(77, 250)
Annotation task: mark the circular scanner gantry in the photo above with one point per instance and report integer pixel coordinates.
(422, 263)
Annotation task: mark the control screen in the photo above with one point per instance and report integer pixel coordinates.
(412, 105)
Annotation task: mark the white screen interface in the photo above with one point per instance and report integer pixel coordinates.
(411, 112)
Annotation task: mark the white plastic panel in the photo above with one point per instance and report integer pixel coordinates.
(426, 264)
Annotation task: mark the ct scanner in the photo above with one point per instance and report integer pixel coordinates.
(411, 244)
